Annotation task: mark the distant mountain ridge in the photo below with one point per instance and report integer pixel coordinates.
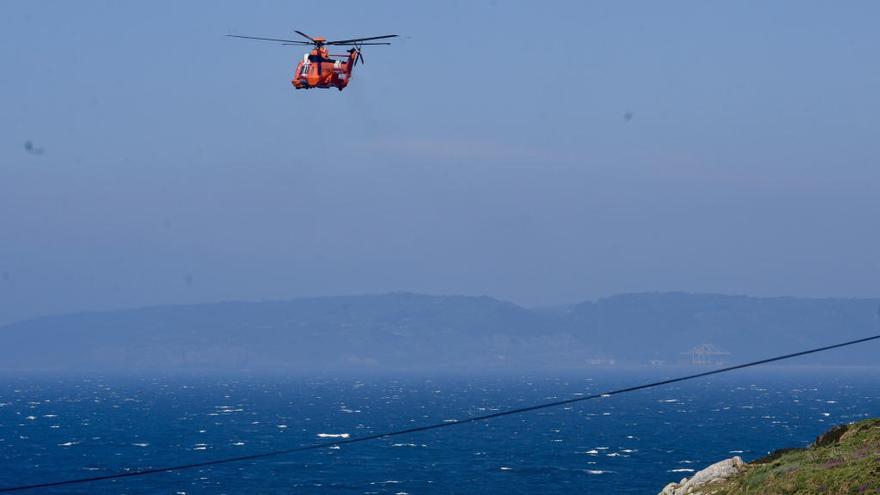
(405, 331)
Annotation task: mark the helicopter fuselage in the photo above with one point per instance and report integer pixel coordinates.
(318, 70)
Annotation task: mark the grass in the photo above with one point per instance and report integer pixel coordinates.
(845, 460)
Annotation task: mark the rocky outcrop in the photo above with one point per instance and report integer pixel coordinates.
(845, 459)
(832, 436)
(699, 483)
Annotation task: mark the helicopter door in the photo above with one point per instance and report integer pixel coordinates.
(304, 71)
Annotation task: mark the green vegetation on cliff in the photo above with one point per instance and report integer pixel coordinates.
(844, 460)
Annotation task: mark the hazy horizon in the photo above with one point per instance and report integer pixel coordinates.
(442, 295)
(406, 332)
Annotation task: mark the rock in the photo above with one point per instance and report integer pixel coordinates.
(831, 436)
(716, 472)
(669, 489)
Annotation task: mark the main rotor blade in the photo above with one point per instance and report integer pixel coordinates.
(358, 44)
(341, 42)
(296, 42)
(305, 35)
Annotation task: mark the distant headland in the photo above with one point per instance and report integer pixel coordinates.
(405, 331)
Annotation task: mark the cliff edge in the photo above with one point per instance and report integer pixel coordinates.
(843, 460)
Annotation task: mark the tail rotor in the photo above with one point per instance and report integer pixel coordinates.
(359, 57)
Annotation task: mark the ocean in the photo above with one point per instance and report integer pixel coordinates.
(53, 428)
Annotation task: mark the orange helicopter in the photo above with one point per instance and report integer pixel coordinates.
(317, 69)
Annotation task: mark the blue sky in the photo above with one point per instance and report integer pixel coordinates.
(485, 152)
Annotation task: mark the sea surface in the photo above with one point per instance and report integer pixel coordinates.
(55, 428)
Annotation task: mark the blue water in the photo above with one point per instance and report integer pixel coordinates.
(53, 428)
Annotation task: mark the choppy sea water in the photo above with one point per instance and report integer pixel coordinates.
(54, 428)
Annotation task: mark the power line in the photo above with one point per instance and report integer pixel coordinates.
(147, 471)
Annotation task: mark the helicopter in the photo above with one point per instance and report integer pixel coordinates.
(318, 69)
